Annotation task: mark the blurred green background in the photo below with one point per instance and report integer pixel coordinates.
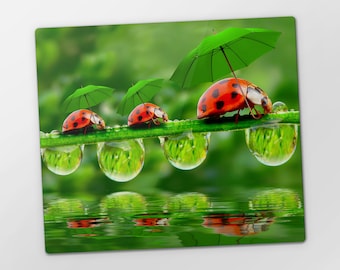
(118, 56)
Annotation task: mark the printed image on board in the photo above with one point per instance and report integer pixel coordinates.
(170, 135)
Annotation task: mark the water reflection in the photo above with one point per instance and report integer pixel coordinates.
(282, 201)
(241, 224)
(84, 227)
(62, 208)
(85, 223)
(124, 203)
(188, 202)
(126, 220)
(151, 221)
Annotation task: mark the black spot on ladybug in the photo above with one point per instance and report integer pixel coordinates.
(219, 104)
(234, 94)
(140, 118)
(73, 117)
(75, 124)
(216, 93)
(235, 85)
(83, 113)
(83, 118)
(204, 108)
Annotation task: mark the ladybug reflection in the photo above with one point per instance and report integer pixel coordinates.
(226, 96)
(237, 225)
(85, 227)
(85, 223)
(151, 221)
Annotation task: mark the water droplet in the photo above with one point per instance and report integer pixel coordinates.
(186, 151)
(62, 160)
(272, 145)
(279, 106)
(121, 161)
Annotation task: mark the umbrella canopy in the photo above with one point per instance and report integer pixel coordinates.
(143, 91)
(223, 53)
(86, 97)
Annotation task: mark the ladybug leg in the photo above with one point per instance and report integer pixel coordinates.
(156, 121)
(258, 115)
(237, 116)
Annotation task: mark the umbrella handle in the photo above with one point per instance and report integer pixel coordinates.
(87, 101)
(140, 97)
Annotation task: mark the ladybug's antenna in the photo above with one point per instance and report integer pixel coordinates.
(239, 85)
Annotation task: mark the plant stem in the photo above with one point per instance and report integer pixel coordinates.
(168, 129)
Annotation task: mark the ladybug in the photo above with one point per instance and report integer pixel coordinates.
(81, 120)
(147, 113)
(226, 96)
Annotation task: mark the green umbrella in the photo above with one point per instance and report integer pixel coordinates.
(86, 97)
(222, 53)
(143, 91)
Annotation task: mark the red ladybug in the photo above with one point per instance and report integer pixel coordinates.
(81, 120)
(226, 96)
(147, 113)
